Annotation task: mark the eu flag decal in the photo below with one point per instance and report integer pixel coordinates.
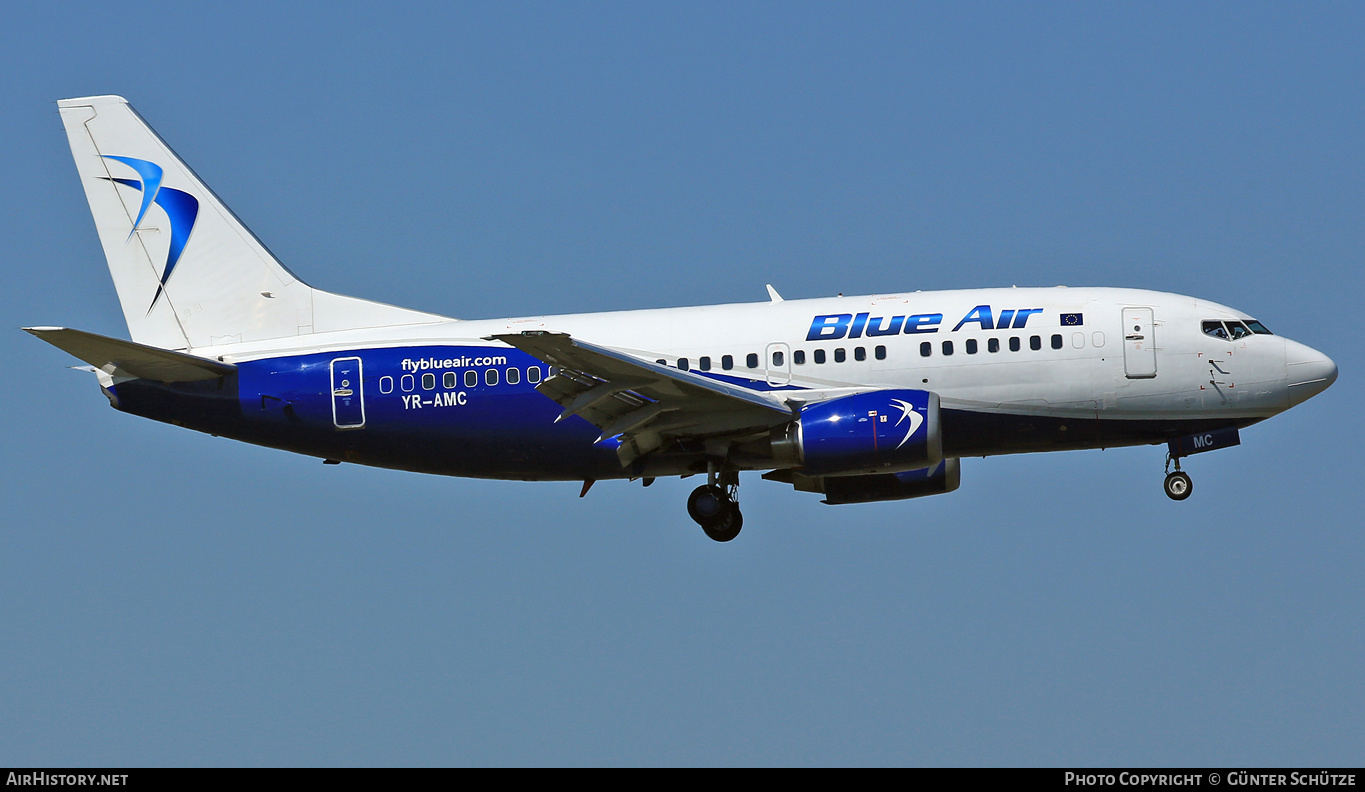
(1072, 320)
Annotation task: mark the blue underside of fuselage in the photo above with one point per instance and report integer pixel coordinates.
(407, 418)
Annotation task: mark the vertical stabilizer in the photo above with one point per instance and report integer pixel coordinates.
(187, 272)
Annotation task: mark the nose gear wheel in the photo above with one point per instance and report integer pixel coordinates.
(1178, 484)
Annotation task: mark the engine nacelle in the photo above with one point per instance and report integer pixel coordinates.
(885, 431)
(943, 477)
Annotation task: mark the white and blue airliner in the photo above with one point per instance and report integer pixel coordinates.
(857, 398)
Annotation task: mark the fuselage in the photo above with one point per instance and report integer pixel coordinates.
(1016, 370)
(860, 399)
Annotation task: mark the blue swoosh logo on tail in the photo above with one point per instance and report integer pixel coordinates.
(181, 208)
(151, 174)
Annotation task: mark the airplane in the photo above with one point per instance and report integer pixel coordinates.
(859, 399)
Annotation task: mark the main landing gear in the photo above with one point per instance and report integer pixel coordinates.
(1178, 484)
(715, 507)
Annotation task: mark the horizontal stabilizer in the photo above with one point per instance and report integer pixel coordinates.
(119, 358)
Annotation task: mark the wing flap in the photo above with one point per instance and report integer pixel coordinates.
(639, 404)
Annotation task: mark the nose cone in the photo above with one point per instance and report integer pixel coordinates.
(1308, 372)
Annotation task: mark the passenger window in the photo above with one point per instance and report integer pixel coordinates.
(428, 381)
(490, 377)
(751, 360)
(993, 345)
(839, 355)
(682, 364)
(513, 376)
(778, 359)
(408, 382)
(1097, 339)
(926, 349)
(471, 378)
(1014, 344)
(880, 352)
(971, 346)
(704, 363)
(799, 357)
(727, 362)
(947, 347)
(1057, 341)
(386, 384)
(1078, 340)
(533, 374)
(859, 353)
(819, 356)
(449, 381)
(1035, 343)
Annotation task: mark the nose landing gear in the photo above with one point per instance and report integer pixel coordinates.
(715, 507)
(1178, 484)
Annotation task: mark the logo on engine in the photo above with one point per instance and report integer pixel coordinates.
(907, 411)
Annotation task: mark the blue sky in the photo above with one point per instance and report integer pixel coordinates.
(171, 598)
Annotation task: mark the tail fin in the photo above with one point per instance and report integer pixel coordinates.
(187, 271)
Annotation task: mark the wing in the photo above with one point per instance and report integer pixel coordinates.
(639, 405)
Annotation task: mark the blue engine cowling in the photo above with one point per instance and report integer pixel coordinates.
(885, 431)
(946, 476)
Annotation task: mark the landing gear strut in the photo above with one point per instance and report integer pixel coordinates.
(1178, 484)
(714, 506)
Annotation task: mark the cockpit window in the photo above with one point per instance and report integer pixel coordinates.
(1233, 329)
(1216, 330)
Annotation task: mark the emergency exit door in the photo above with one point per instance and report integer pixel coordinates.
(778, 364)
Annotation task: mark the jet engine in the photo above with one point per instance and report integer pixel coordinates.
(876, 432)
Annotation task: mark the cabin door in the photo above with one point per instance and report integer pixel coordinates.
(1139, 343)
(348, 394)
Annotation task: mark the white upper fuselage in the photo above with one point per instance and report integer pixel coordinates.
(1015, 356)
